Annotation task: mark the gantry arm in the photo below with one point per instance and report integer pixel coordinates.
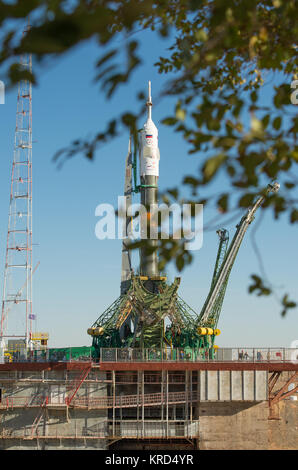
(218, 286)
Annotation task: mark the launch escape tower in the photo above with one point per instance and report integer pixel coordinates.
(149, 312)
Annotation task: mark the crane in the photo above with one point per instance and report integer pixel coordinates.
(221, 254)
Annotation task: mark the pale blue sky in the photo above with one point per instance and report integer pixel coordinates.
(79, 276)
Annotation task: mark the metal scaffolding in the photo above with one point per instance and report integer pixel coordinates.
(81, 401)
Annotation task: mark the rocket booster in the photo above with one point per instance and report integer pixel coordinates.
(126, 261)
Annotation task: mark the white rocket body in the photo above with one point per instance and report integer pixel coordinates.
(149, 151)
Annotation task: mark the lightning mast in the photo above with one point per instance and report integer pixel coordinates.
(16, 315)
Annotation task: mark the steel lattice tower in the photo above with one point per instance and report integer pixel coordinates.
(16, 315)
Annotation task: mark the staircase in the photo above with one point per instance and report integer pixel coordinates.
(82, 370)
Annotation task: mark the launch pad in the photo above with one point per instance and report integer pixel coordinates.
(149, 312)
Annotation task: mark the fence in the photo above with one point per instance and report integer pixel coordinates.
(129, 429)
(154, 429)
(23, 402)
(84, 354)
(131, 401)
(78, 354)
(195, 355)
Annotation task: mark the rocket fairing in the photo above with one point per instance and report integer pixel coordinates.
(149, 151)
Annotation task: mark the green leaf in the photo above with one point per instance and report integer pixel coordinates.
(180, 262)
(287, 304)
(259, 286)
(170, 121)
(277, 123)
(265, 121)
(223, 202)
(253, 96)
(191, 181)
(212, 165)
(294, 216)
(246, 200)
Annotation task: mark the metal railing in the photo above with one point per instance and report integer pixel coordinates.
(131, 401)
(153, 429)
(241, 354)
(122, 401)
(32, 401)
(111, 429)
(199, 355)
(49, 355)
(149, 378)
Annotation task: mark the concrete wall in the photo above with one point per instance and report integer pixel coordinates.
(283, 431)
(235, 385)
(233, 426)
(16, 426)
(245, 426)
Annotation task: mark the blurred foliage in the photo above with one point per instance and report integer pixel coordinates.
(222, 55)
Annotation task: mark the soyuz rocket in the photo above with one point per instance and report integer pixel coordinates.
(149, 172)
